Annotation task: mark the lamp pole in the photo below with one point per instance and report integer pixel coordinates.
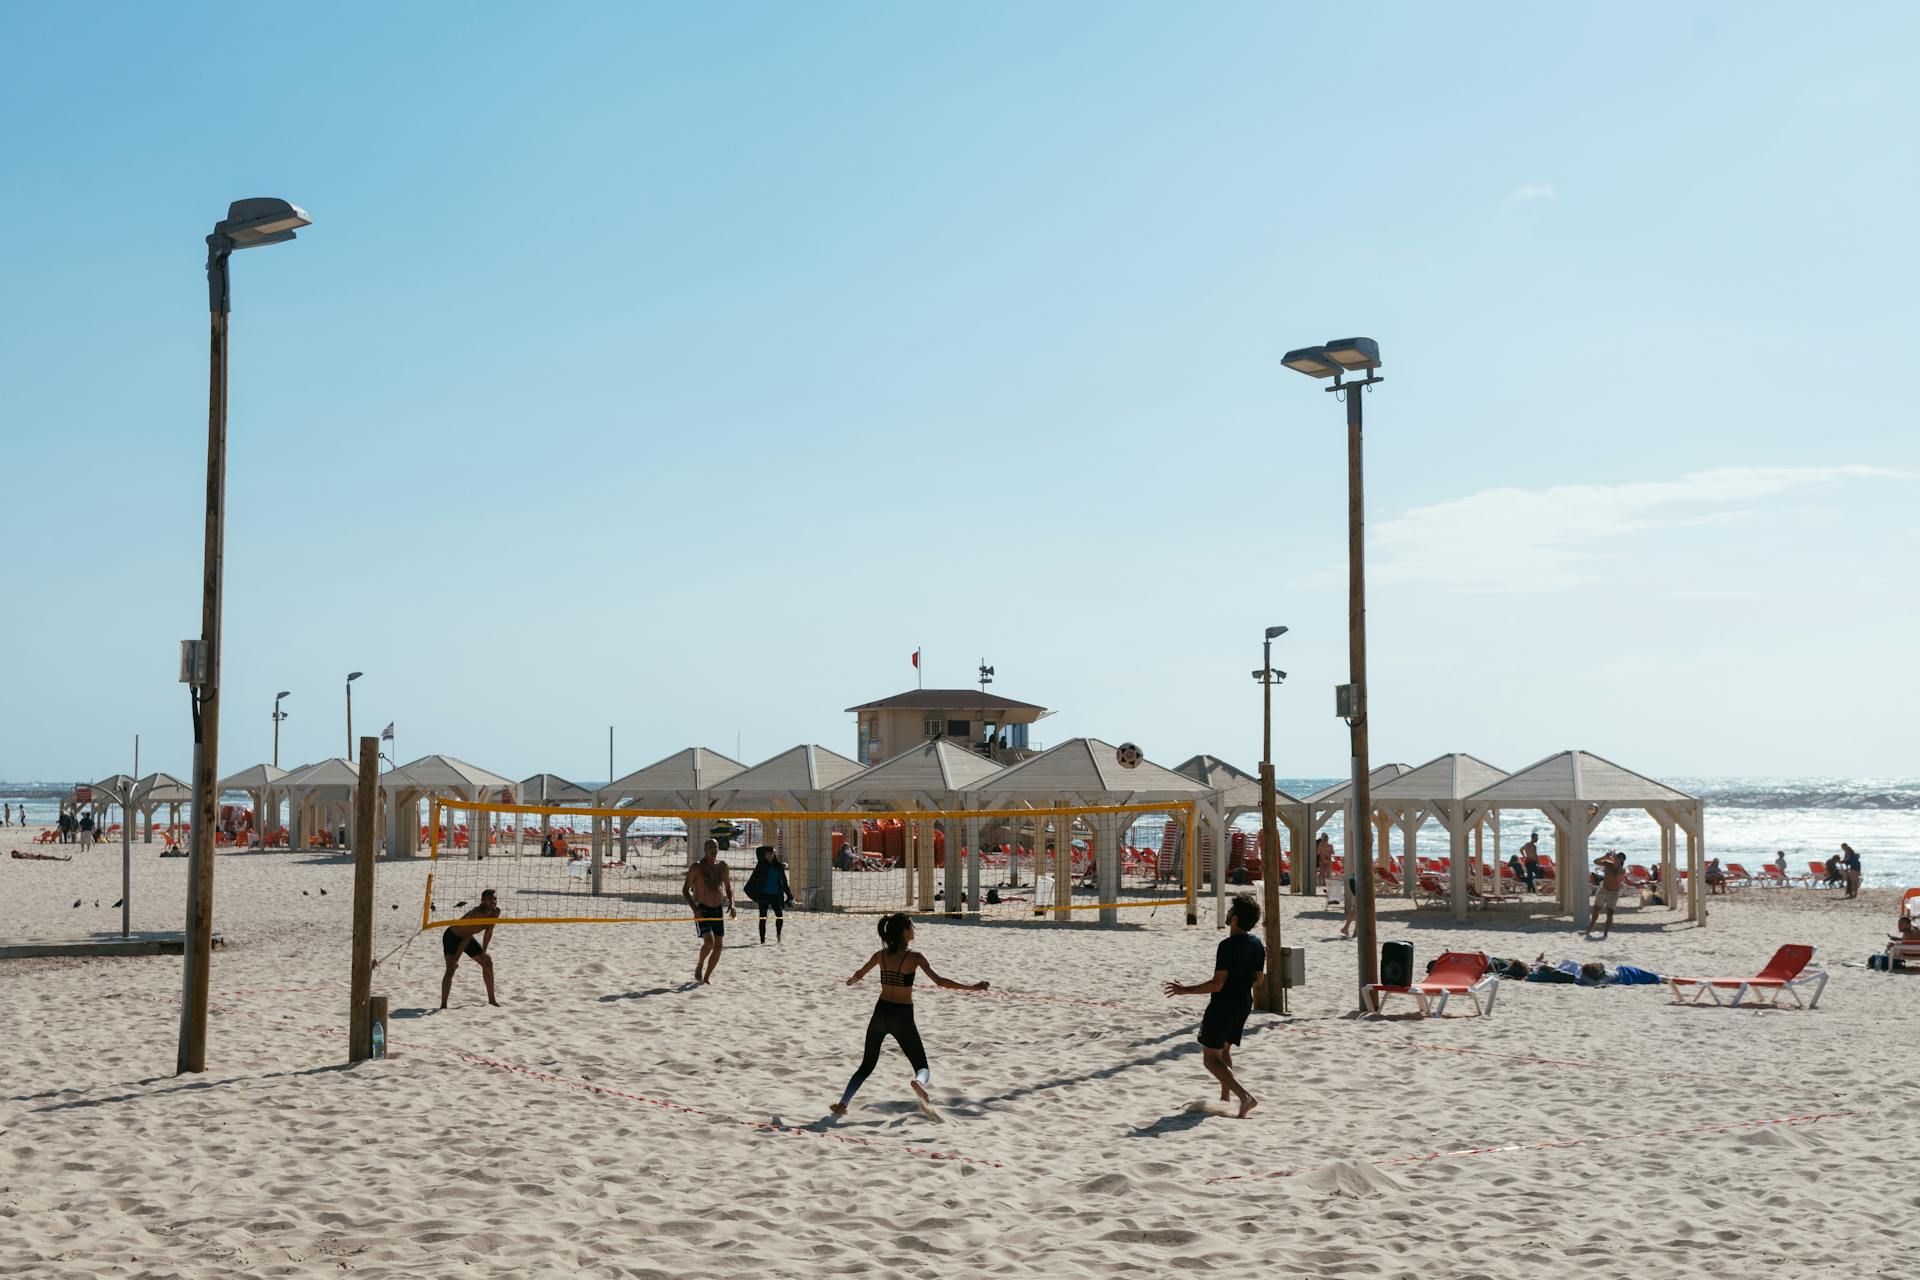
(278, 716)
(1338, 360)
(351, 677)
(248, 224)
(1276, 995)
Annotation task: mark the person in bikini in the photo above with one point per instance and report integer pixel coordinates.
(1613, 878)
(893, 1013)
(459, 938)
(708, 889)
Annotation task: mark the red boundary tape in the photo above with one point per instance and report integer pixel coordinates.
(1465, 1152)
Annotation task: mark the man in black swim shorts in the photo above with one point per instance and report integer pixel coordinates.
(460, 938)
(1237, 964)
(708, 889)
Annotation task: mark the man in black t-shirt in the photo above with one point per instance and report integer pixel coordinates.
(1237, 964)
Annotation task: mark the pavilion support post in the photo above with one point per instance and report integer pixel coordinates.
(1062, 863)
(1480, 861)
(1579, 890)
(1409, 855)
(1456, 822)
(1217, 829)
(953, 872)
(972, 829)
(1106, 853)
(1561, 872)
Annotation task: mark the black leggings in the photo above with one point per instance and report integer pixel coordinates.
(779, 917)
(889, 1019)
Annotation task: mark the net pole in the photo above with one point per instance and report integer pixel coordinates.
(604, 830)
(925, 841)
(973, 829)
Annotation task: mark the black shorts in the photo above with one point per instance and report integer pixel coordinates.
(709, 920)
(1222, 1024)
(450, 945)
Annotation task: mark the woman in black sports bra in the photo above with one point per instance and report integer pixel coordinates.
(893, 1013)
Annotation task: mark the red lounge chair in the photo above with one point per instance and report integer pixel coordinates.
(1738, 877)
(1817, 876)
(1454, 973)
(1784, 973)
(1639, 877)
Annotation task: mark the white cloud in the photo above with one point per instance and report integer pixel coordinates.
(1529, 192)
(1534, 539)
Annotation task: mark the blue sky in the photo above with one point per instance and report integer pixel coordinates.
(685, 368)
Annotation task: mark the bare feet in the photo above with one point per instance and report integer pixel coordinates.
(1247, 1103)
(494, 1003)
(838, 1109)
(926, 1102)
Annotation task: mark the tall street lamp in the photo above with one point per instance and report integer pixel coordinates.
(1352, 363)
(1276, 995)
(351, 677)
(248, 225)
(278, 716)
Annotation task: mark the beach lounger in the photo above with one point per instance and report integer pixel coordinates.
(1454, 973)
(1738, 877)
(1770, 874)
(1785, 973)
(1817, 876)
(1431, 891)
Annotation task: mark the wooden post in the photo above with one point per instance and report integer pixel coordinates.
(359, 1026)
(1192, 861)
(1062, 863)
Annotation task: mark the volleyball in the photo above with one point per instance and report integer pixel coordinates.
(1129, 756)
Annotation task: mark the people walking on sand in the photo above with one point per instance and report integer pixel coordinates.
(1530, 859)
(768, 887)
(893, 1012)
(708, 888)
(6, 815)
(459, 939)
(1850, 869)
(1323, 855)
(86, 830)
(1238, 962)
(1606, 896)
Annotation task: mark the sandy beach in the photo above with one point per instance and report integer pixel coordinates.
(610, 1120)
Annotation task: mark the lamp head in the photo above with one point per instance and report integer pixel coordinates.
(354, 675)
(261, 220)
(284, 693)
(1312, 361)
(1274, 633)
(1354, 355)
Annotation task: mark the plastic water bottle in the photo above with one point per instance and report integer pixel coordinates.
(378, 1039)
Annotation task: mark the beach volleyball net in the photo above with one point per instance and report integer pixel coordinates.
(586, 865)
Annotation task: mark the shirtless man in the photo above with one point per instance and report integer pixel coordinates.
(1613, 878)
(707, 888)
(459, 937)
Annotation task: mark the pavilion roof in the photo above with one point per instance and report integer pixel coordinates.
(1454, 776)
(942, 765)
(1338, 792)
(694, 769)
(252, 779)
(161, 788)
(331, 772)
(1238, 789)
(1578, 777)
(1088, 767)
(807, 767)
(551, 788)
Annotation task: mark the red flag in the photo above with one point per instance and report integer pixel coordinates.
(916, 659)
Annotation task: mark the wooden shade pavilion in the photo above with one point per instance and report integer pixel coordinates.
(929, 775)
(1577, 790)
(684, 780)
(1439, 789)
(546, 789)
(158, 790)
(1087, 771)
(258, 783)
(1238, 794)
(1318, 809)
(797, 779)
(404, 786)
(315, 792)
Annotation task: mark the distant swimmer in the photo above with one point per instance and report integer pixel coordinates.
(1238, 962)
(707, 888)
(893, 1012)
(459, 937)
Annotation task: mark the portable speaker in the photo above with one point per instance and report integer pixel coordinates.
(1396, 964)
